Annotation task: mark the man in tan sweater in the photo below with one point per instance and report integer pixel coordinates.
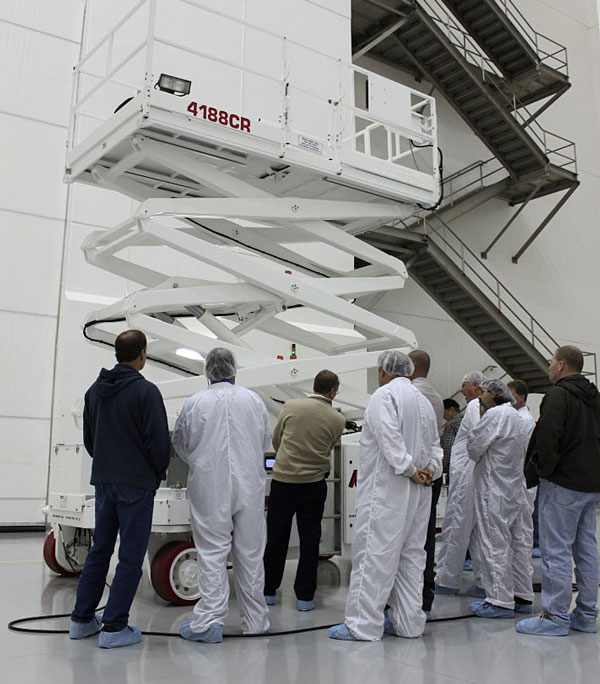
(305, 433)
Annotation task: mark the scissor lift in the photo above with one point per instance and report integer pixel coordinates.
(227, 177)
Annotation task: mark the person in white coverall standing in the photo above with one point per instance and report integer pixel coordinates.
(400, 456)
(222, 433)
(458, 519)
(503, 528)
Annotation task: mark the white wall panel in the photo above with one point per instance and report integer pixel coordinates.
(60, 17)
(81, 277)
(38, 84)
(78, 363)
(99, 207)
(30, 263)
(32, 166)
(25, 448)
(27, 351)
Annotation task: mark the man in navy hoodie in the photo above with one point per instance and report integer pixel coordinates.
(125, 431)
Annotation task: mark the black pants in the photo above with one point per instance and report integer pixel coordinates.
(307, 501)
(429, 578)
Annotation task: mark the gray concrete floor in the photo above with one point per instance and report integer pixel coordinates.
(471, 650)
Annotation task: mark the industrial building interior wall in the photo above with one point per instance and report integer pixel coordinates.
(555, 278)
(40, 45)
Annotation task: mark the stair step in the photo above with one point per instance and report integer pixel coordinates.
(486, 19)
(487, 329)
(469, 93)
(499, 336)
(498, 138)
(475, 321)
(467, 314)
(463, 308)
(493, 119)
(510, 51)
(520, 368)
(493, 30)
(478, 111)
(439, 281)
(426, 270)
(501, 347)
(515, 155)
(509, 351)
(476, 13)
(446, 71)
(458, 297)
(516, 65)
(511, 146)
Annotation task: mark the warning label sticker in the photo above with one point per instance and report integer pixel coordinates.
(310, 144)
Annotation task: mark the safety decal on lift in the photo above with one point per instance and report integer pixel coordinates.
(353, 479)
(220, 116)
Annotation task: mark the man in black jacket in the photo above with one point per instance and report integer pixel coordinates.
(125, 431)
(564, 456)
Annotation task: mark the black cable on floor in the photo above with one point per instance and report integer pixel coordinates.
(13, 627)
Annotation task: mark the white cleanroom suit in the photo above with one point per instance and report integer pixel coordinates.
(495, 444)
(458, 519)
(392, 512)
(223, 433)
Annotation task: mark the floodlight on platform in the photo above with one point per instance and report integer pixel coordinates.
(174, 85)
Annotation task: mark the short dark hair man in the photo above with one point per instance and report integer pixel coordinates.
(422, 363)
(564, 457)
(125, 431)
(306, 431)
(451, 409)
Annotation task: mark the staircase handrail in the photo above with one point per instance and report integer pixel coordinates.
(452, 194)
(492, 77)
(506, 302)
(536, 39)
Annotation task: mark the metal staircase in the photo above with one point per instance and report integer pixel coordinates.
(470, 293)
(535, 65)
(488, 67)
(429, 42)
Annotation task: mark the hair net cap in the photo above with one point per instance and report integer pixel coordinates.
(219, 364)
(499, 390)
(475, 378)
(395, 362)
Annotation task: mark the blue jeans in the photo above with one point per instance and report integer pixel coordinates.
(126, 511)
(567, 521)
(536, 522)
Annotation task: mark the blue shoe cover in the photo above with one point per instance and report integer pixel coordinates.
(541, 625)
(580, 625)
(523, 608)
(474, 590)
(468, 565)
(474, 605)
(483, 609)
(306, 605)
(535, 552)
(271, 599)
(341, 632)
(388, 627)
(212, 635)
(124, 637)
(82, 630)
(439, 589)
(427, 614)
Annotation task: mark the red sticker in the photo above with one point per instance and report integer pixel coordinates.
(220, 116)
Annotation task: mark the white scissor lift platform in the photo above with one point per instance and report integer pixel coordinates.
(227, 130)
